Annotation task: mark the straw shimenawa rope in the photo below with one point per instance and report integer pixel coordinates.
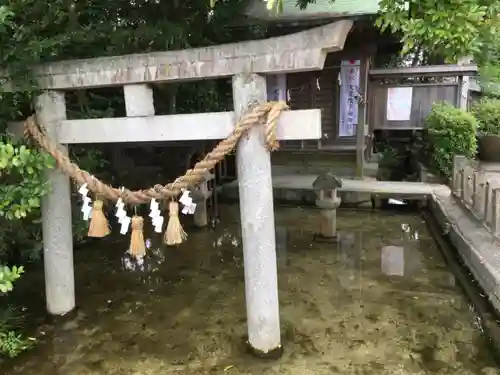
(268, 112)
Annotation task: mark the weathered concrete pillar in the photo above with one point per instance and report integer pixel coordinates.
(494, 206)
(326, 186)
(257, 223)
(139, 100)
(488, 202)
(459, 162)
(56, 216)
(467, 184)
(495, 222)
(478, 195)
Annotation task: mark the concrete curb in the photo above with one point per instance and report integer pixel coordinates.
(476, 246)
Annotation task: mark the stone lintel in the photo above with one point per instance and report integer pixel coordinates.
(302, 51)
(183, 127)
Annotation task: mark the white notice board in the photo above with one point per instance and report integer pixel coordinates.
(399, 101)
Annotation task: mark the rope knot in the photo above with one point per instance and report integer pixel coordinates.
(272, 124)
(173, 210)
(137, 223)
(98, 204)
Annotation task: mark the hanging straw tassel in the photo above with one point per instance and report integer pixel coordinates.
(137, 244)
(99, 225)
(174, 235)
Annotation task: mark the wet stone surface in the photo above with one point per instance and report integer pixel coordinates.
(379, 301)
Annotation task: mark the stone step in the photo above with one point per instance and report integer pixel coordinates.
(370, 170)
(298, 188)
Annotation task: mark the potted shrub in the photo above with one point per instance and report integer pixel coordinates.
(448, 131)
(487, 114)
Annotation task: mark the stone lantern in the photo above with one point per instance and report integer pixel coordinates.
(200, 196)
(326, 187)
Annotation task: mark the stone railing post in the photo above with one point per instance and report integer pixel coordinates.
(257, 223)
(494, 207)
(479, 193)
(56, 216)
(467, 184)
(459, 162)
(488, 202)
(326, 186)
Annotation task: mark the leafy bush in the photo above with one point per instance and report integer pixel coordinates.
(22, 183)
(21, 187)
(487, 113)
(12, 343)
(7, 277)
(448, 131)
(397, 162)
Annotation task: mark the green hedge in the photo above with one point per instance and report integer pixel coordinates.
(449, 131)
(487, 114)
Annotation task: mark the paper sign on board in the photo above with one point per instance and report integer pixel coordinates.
(399, 101)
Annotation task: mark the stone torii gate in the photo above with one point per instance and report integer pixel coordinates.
(244, 62)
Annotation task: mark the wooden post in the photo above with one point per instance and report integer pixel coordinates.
(458, 97)
(360, 127)
(56, 216)
(257, 222)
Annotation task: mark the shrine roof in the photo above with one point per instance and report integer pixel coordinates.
(320, 9)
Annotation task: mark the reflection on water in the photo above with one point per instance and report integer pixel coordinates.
(400, 261)
(281, 245)
(378, 301)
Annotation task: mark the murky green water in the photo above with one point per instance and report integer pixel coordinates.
(381, 301)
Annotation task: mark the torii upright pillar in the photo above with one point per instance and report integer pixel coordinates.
(56, 216)
(257, 224)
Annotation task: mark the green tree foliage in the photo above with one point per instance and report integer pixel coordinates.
(451, 29)
(442, 29)
(23, 184)
(447, 28)
(7, 277)
(34, 32)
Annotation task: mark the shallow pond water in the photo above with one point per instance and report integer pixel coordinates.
(379, 301)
